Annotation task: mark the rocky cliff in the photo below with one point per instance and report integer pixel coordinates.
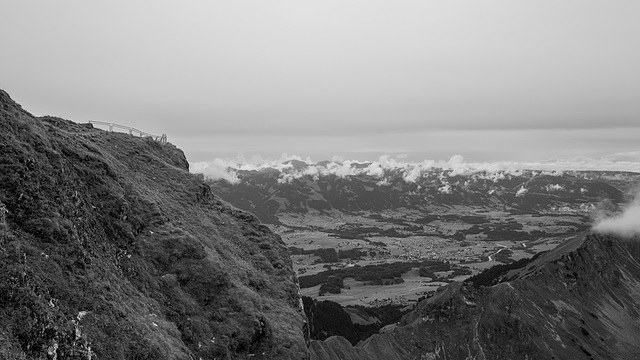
(111, 249)
(579, 301)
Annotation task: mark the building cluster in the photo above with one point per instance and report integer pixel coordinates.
(398, 300)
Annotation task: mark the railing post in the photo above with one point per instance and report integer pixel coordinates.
(133, 131)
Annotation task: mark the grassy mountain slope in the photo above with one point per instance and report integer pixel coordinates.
(109, 247)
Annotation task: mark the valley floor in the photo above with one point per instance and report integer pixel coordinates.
(465, 238)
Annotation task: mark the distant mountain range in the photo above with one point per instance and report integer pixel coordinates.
(330, 187)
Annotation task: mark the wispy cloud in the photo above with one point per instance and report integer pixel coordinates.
(625, 156)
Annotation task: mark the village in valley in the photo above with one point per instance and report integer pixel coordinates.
(366, 240)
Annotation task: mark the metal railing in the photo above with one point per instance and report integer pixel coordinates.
(132, 131)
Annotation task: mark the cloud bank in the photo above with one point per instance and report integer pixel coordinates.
(295, 167)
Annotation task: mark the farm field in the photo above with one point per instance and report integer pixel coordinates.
(468, 239)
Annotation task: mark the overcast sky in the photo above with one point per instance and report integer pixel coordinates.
(489, 80)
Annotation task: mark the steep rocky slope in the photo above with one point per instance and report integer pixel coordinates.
(579, 301)
(110, 248)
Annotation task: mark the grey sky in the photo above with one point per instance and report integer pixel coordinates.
(491, 80)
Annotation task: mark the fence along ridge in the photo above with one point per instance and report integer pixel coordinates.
(162, 138)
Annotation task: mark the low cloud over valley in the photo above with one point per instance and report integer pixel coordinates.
(295, 167)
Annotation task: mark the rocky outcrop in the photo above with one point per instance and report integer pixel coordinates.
(579, 301)
(110, 248)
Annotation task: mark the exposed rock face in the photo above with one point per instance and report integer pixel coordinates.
(579, 301)
(109, 248)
